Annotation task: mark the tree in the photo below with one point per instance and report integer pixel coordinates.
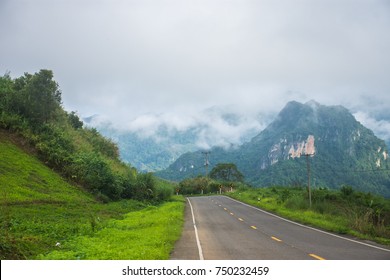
(6, 91)
(226, 172)
(39, 96)
(75, 120)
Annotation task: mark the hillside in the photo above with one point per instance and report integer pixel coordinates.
(44, 217)
(31, 108)
(30, 191)
(24, 179)
(342, 152)
(63, 184)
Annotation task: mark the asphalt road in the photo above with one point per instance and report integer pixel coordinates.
(220, 228)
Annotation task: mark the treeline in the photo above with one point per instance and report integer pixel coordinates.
(31, 107)
(206, 185)
(224, 177)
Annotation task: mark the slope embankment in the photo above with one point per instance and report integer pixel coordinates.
(44, 216)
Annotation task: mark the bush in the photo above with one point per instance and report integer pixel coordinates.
(346, 190)
(95, 173)
(145, 187)
(13, 122)
(297, 203)
(54, 146)
(100, 144)
(163, 192)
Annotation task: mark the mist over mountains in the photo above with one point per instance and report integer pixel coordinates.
(340, 149)
(267, 148)
(152, 142)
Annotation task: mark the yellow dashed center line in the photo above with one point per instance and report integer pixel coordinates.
(276, 239)
(316, 257)
(273, 237)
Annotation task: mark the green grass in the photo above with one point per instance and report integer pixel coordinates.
(25, 180)
(148, 234)
(39, 210)
(332, 212)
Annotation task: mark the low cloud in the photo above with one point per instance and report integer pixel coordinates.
(157, 65)
(212, 127)
(381, 128)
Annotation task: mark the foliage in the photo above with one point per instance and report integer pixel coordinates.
(198, 185)
(31, 107)
(37, 97)
(41, 211)
(75, 121)
(41, 214)
(227, 172)
(205, 185)
(92, 170)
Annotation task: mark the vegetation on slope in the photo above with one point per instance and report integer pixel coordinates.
(43, 216)
(30, 106)
(46, 214)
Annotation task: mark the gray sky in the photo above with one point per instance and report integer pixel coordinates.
(136, 61)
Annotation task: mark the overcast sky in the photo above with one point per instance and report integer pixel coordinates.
(129, 60)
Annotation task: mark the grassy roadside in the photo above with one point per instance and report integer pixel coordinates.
(335, 214)
(148, 234)
(44, 217)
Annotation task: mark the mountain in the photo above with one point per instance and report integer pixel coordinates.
(152, 142)
(339, 150)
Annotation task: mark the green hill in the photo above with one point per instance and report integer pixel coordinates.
(24, 179)
(62, 185)
(38, 207)
(43, 216)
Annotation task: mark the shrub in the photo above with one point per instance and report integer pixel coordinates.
(95, 173)
(346, 190)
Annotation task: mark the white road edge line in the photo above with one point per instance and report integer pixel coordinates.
(318, 230)
(196, 232)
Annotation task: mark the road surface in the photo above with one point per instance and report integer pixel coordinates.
(220, 228)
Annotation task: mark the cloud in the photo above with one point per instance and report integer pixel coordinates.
(160, 61)
(381, 128)
(216, 126)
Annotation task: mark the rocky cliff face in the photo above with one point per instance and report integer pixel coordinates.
(284, 150)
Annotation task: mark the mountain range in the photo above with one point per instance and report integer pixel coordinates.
(152, 142)
(326, 140)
